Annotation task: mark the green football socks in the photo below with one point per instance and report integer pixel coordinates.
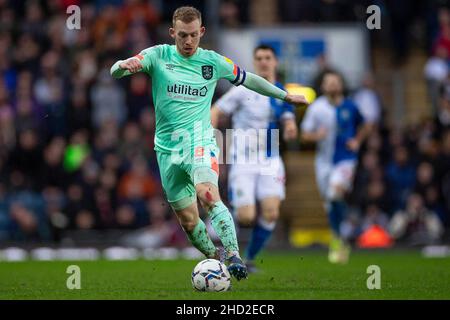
(223, 224)
(200, 239)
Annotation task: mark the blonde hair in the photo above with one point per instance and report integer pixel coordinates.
(186, 15)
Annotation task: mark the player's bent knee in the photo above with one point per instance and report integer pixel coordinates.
(270, 209)
(271, 215)
(245, 221)
(208, 195)
(246, 216)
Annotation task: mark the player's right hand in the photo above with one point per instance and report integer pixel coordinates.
(132, 64)
(298, 100)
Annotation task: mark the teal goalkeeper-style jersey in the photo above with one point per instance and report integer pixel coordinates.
(182, 89)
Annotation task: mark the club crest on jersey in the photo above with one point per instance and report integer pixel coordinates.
(207, 72)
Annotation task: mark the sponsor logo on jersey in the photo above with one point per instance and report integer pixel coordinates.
(187, 89)
(207, 72)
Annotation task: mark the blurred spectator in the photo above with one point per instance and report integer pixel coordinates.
(126, 217)
(416, 224)
(369, 184)
(105, 141)
(443, 38)
(88, 178)
(108, 182)
(442, 118)
(367, 100)
(76, 202)
(7, 70)
(26, 157)
(4, 217)
(425, 177)
(85, 220)
(26, 116)
(137, 183)
(444, 160)
(358, 225)
(132, 144)
(7, 128)
(229, 14)
(49, 93)
(86, 67)
(76, 151)
(105, 203)
(400, 175)
(436, 73)
(137, 13)
(34, 18)
(54, 202)
(147, 123)
(444, 174)
(105, 31)
(377, 194)
(52, 172)
(79, 113)
(351, 226)
(138, 96)
(25, 222)
(108, 101)
(26, 54)
(28, 219)
(323, 67)
(374, 216)
(162, 231)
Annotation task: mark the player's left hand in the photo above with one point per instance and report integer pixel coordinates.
(353, 144)
(290, 131)
(297, 100)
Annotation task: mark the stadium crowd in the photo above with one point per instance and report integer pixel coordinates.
(403, 180)
(76, 146)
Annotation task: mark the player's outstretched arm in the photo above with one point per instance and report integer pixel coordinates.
(290, 131)
(363, 132)
(264, 87)
(125, 67)
(314, 136)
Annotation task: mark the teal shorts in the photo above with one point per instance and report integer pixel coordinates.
(179, 175)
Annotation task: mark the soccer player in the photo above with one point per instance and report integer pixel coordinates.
(184, 78)
(335, 123)
(256, 181)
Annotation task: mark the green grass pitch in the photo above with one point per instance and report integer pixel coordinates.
(286, 275)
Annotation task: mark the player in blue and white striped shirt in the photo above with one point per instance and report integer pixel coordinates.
(335, 123)
(257, 171)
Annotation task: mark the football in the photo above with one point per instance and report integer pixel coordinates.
(211, 275)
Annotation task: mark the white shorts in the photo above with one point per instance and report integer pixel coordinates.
(329, 175)
(250, 184)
